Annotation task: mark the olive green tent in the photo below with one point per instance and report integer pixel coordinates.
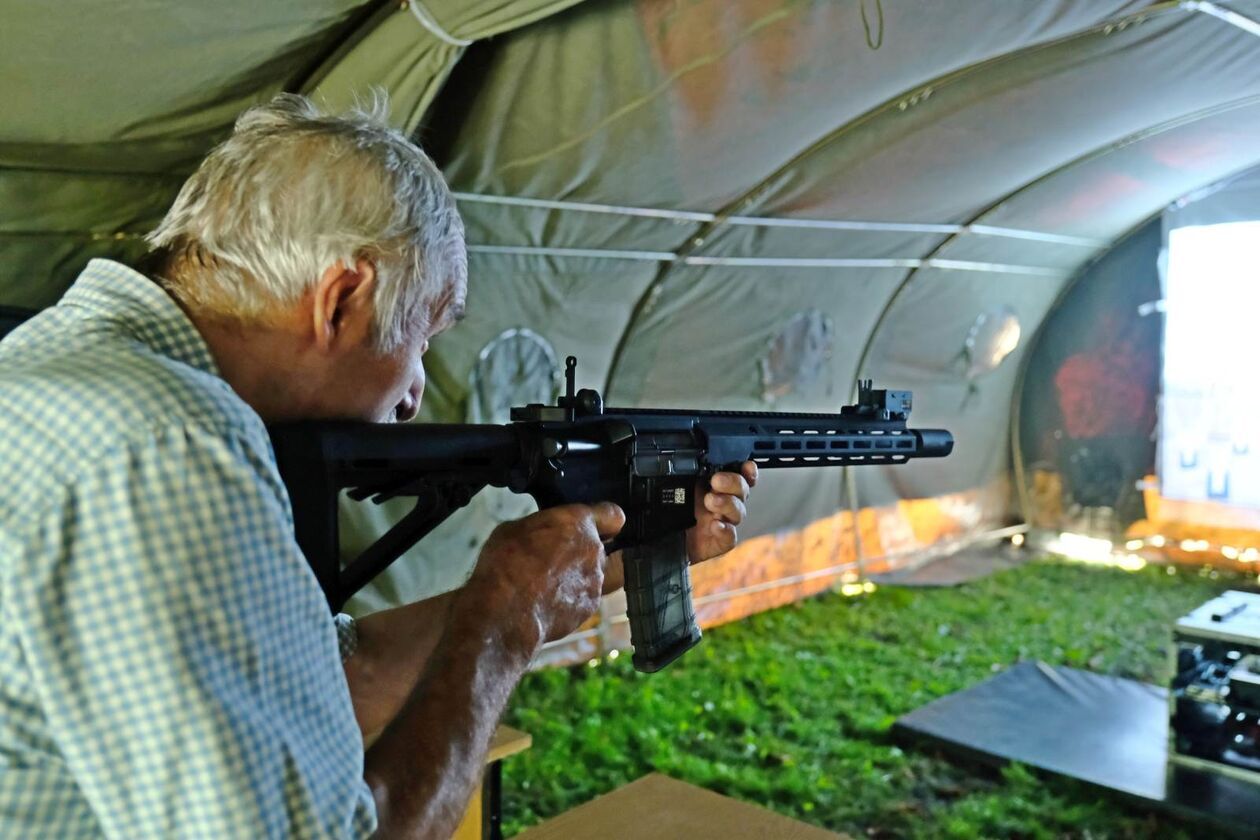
(730, 204)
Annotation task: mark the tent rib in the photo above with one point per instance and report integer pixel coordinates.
(997, 268)
(766, 262)
(839, 224)
(911, 263)
(802, 262)
(532, 251)
(584, 207)
(776, 221)
(1231, 17)
(1033, 236)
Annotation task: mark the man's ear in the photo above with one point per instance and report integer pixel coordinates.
(342, 304)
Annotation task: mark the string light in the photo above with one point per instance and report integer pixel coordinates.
(1081, 547)
(1095, 551)
(1131, 562)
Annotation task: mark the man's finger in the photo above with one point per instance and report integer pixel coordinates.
(750, 472)
(730, 483)
(725, 505)
(726, 535)
(609, 519)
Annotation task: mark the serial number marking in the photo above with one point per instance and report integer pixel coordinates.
(675, 496)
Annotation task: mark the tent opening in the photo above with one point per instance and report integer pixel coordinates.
(1210, 395)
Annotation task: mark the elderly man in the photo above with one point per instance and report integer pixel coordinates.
(168, 667)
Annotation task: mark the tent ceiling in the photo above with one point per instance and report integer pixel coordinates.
(105, 85)
(988, 131)
(698, 103)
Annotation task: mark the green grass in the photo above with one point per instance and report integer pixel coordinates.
(791, 709)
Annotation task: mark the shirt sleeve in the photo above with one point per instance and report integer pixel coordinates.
(347, 636)
(183, 652)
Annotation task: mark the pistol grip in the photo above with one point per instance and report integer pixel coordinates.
(658, 602)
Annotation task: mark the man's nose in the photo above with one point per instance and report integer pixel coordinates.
(410, 406)
(407, 410)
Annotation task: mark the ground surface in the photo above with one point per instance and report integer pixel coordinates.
(791, 709)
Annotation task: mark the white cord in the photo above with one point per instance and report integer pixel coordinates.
(1241, 21)
(426, 20)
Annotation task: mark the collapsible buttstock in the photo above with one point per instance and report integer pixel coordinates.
(658, 602)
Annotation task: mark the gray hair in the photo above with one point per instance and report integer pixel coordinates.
(291, 192)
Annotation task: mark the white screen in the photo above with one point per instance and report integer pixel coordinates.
(1209, 449)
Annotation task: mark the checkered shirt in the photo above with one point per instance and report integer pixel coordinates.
(168, 667)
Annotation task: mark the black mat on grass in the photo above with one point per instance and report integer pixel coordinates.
(1105, 731)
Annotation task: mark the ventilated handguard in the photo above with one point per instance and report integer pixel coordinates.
(658, 602)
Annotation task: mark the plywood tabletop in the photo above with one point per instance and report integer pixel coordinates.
(507, 741)
(657, 806)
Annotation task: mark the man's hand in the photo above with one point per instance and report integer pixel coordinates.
(538, 578)
(548, 568)
(720, 507)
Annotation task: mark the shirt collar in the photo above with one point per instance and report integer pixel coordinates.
(143, 309)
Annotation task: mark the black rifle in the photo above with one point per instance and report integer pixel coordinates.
(648, 461)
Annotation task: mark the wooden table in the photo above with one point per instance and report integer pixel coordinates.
(481, 820)
(657, 807)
